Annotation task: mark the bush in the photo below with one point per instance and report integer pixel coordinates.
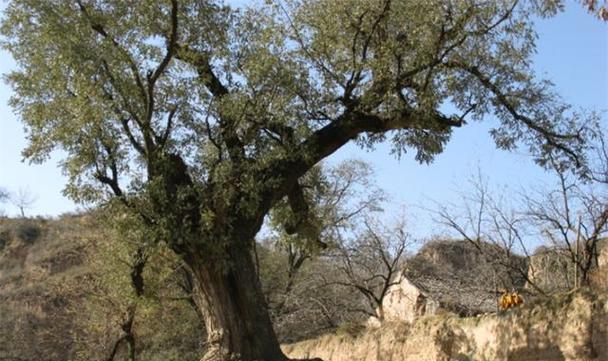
(28, 232)
(5, 237)
(352, 329)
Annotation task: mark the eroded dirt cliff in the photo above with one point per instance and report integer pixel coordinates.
(572, 327)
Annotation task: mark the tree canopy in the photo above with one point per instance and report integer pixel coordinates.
(116, 83)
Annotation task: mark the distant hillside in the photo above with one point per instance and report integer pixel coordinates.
(484, 264)
(51, 308)
(36, 320)
(62, 299)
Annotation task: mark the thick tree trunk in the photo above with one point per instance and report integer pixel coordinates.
(234, 311)
(226, 289)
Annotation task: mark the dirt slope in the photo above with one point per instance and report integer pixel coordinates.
(572, 327)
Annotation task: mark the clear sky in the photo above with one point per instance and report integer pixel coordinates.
(572, 52)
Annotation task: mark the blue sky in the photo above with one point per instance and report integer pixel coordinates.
(572, 52)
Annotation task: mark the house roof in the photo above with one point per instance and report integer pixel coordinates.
(462, 278)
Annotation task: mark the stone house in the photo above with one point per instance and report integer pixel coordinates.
(451, 276)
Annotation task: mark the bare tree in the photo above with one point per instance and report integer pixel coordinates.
(574, 215)
(370, 261)
(313, 305)
(333, 200)
(307, 287)
(4, 197)
(496, 229)
(23, 200)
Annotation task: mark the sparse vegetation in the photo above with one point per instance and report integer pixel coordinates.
(77, 307)
(62, 300)
(27, 231)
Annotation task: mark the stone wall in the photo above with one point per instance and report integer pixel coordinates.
(572, 327)
(405, 302)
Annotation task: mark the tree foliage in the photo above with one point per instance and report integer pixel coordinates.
(332, 201)
(597, 7)
(118, 83)
(134, 307)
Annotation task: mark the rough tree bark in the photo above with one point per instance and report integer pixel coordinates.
(234, 311)
(226, 289)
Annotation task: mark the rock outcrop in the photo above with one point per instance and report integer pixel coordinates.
(572, 327)
(552, 270)
(451, 276)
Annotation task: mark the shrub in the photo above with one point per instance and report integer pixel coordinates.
(5, 237)
(27, 231)
(352, 329)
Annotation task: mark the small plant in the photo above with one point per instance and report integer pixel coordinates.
(28, 232)
(5, 237)
(352, 329)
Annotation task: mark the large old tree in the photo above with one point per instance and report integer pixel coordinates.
(197, 118)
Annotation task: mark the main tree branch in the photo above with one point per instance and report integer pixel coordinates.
(553, 138)
(330, 138)
(202, 64)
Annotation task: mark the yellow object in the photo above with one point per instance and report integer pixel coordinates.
(508, 300)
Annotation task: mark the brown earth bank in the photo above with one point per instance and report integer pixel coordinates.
(570, 327)
(64, 291)
(55, 304)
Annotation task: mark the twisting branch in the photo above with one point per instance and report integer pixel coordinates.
(201, 63)
(162, 66)
(112, 180)
(334, 135)
(302, 217)
(125, 126)
(128, 109)
(550, 136)
(171, 47)
(102, 31)
(162, 140)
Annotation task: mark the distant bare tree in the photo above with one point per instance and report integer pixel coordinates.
(293, 259)
(574, 215)
(23, 200)
(333, 200)
(483, 219)
(369, 262)
(4, 197)
(311, 307)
